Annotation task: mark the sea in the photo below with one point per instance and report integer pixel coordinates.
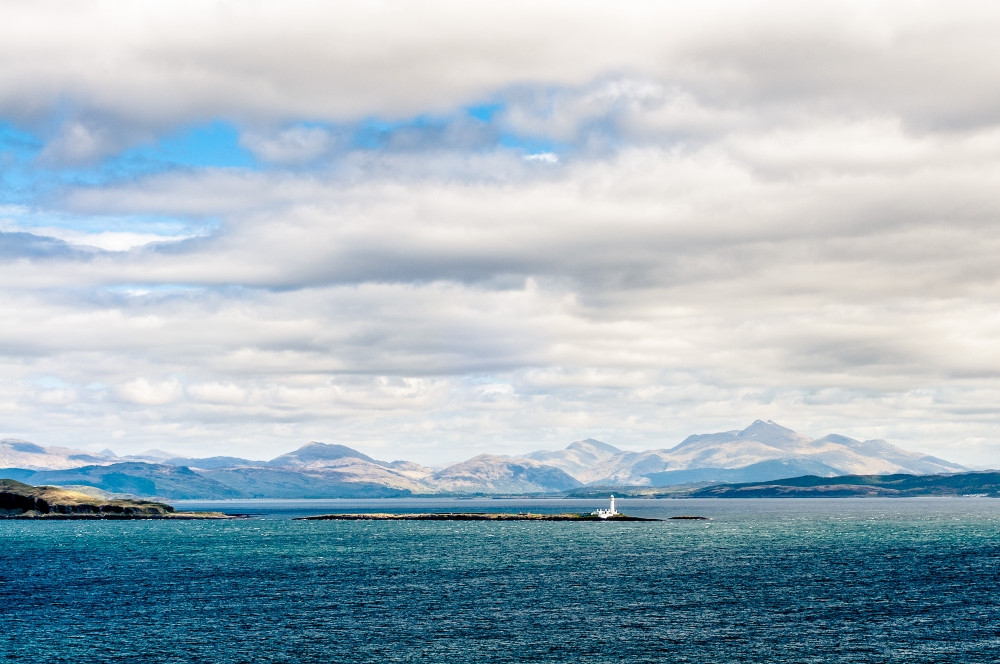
(763, 580)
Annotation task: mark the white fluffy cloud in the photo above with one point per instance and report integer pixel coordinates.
(151, 393)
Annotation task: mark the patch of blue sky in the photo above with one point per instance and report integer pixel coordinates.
(532, 144)
(18, 143)
(18, 149)
(484, 112)
(212, 145)
(16, 187)
(23, 180)
(215, 144)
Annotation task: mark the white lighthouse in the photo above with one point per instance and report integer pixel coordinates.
(604, 514)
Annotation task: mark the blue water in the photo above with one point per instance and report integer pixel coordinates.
(827, 580)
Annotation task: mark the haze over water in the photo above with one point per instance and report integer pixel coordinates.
(765, 581)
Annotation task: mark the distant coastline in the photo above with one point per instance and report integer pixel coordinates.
(585, 468)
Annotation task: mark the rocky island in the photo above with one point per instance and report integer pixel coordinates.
(23, 501)
(610, 514)
(471, 516)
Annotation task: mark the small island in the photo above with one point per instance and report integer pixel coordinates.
(470, 516)
(610, 514)
(23, 501)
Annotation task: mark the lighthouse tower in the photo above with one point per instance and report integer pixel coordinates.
(604, 514)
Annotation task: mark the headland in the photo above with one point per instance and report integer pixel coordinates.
(23, 501)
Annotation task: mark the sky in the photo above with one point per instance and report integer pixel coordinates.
(438, 229)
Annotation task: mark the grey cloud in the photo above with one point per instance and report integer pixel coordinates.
(335, 148)
(87, 140)
(611, 111)
(915, 222)
(864, 61)
(15, 245)
(293, 145)
(647, 218)
(158, 65)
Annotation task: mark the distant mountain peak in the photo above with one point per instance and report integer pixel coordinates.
(578, 457)
(763, 431)
(771, 433)
(761, 426)
(317, 452)
(592, 444)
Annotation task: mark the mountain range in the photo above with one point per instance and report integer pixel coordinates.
(762, 451)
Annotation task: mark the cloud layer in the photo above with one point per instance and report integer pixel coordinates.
(439, 229)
